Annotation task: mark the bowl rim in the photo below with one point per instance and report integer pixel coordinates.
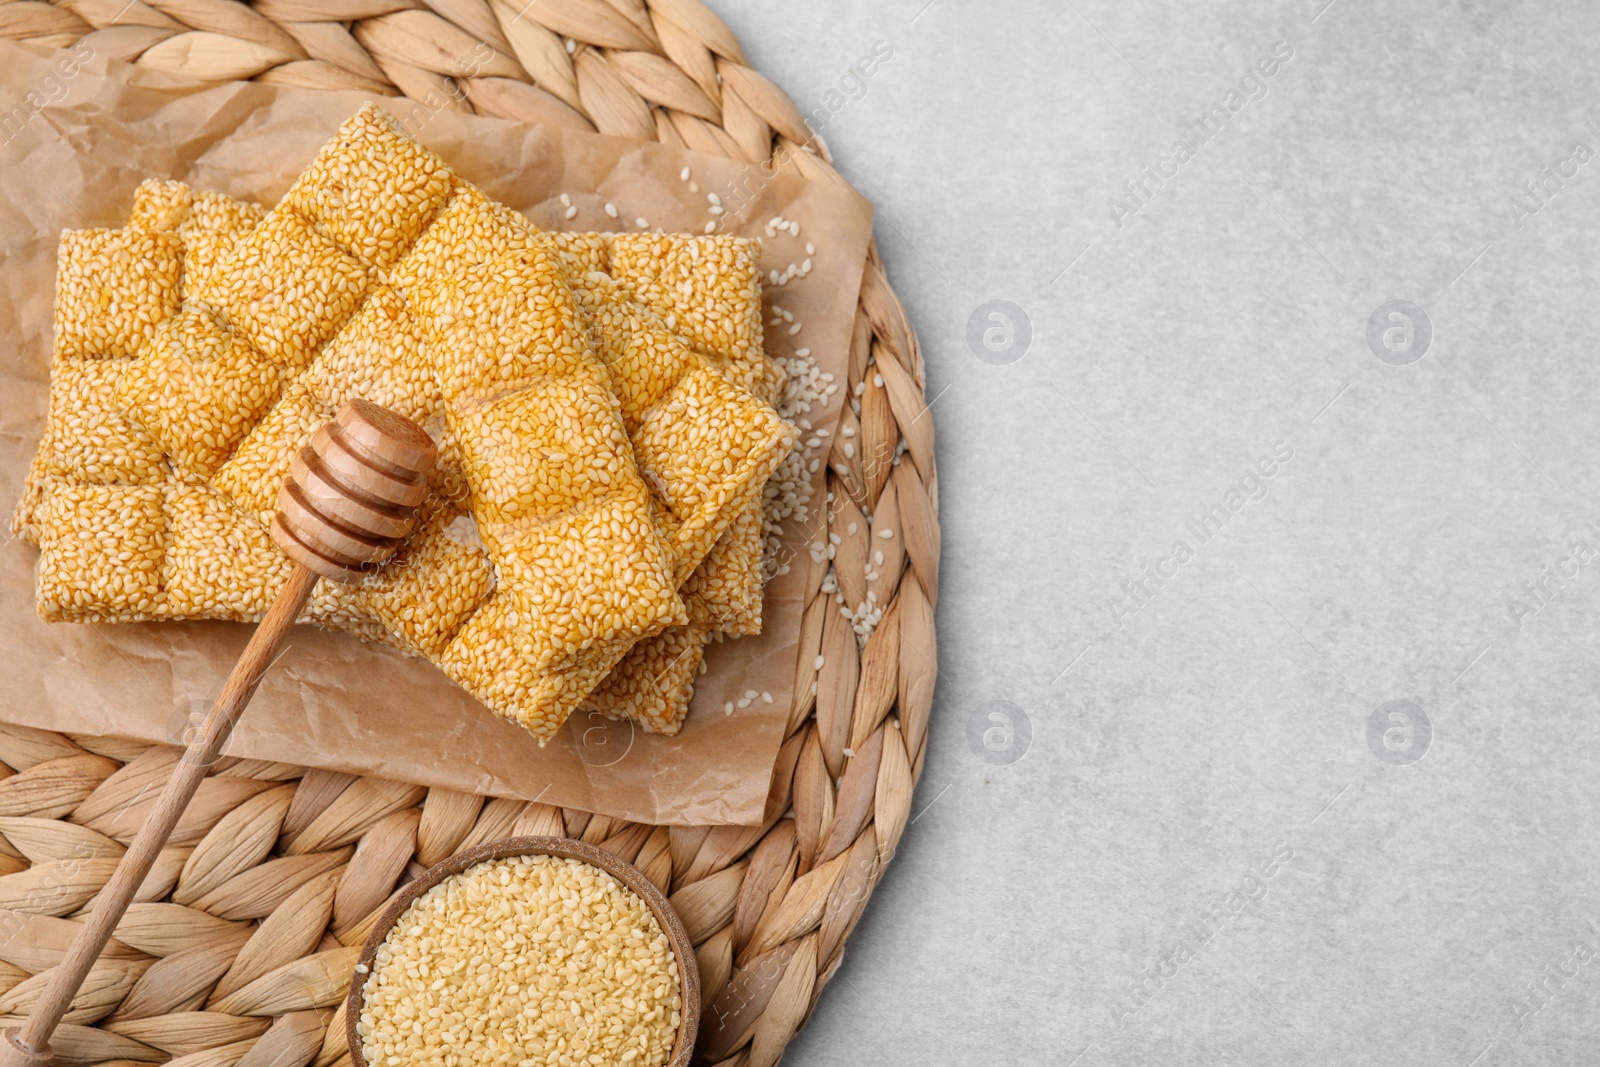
(564, 848)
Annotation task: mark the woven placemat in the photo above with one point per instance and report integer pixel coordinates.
(247, 932)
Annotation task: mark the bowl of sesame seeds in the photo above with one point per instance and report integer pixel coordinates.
(524, 951)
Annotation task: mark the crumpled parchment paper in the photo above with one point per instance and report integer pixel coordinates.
(77, 135)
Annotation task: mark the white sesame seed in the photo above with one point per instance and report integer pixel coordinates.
(526, 929)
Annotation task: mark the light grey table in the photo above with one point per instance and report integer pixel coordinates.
(1312, 780)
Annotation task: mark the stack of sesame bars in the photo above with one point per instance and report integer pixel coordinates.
(602, 404)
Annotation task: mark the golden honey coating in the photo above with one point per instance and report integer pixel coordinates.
(112, 288)
(97, 443)
(724, 593)
(340, 607)
(168, 206)
(532, 455)
(708, 289)
(329, 282)
(508, 324)
(378, 356)
(434, 583)
(215, 215)
(158, 205)
(205, 259)
(26, 515)
(219, 564)
(553, 485)
(287, 288)
(101, 550)
(653, 684)
(372, 189)
(468, 230)
(579, 253)
(594, 574)
(715, 282)
(705, 444)
(197, 390)
(161, 206)
(709, 443)
(487, 659)
(258, 468)
(209, 224)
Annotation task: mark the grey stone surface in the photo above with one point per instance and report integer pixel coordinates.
(1210, 851)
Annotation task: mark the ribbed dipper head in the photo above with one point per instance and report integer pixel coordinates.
(353, 492)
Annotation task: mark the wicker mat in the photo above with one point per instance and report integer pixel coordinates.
(245, 938)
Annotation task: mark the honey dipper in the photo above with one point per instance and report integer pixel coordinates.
(351, 497)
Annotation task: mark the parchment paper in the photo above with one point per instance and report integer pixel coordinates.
(82, 134)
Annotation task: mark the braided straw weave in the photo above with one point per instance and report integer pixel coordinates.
(250, 925)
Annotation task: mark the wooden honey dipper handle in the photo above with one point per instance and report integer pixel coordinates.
(351, 497)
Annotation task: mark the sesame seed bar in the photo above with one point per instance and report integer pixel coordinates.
(653, 684)
(322, 243)
(102, 441)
